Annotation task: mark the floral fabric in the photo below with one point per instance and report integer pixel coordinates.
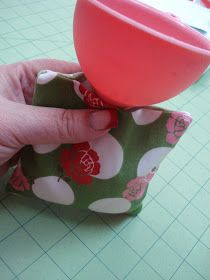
(108, 175)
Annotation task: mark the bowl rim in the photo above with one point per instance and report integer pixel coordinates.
(155, 33)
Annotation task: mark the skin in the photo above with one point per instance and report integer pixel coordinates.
(23, 124)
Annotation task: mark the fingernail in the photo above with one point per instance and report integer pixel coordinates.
(104, 119)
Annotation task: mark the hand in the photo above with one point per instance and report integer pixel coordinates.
(22, 124)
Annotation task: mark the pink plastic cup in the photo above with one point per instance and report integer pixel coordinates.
(135, 55)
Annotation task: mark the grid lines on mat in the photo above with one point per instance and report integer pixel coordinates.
(169, 239)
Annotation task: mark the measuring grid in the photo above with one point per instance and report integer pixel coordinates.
(169, 239)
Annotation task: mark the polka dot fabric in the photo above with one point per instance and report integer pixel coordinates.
(110, 174)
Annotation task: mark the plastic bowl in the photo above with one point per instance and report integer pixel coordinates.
(135, 55)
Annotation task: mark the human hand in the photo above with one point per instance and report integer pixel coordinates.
(23, 124)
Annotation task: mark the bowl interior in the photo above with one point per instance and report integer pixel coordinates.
(155, 21)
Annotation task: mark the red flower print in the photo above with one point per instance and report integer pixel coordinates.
(135, 189)
(80, 162)
(176, 126)
(91, 99)
(18, 181)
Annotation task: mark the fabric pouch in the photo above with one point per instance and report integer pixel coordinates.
(110, 174)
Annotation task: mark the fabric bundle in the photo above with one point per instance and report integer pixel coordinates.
(110, 174)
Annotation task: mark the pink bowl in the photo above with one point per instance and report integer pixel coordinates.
(135, 55)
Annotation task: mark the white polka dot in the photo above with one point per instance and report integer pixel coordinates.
(45, 148)
(110, 205)
(77, 90)
(72, 75)
(45, 76)
(145, 116)
(53, 189)
(151, 159)
(19, 163)
(110, 155)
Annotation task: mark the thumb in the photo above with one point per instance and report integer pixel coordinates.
(39, 125)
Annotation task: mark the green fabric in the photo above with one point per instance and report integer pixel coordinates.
(110, 174)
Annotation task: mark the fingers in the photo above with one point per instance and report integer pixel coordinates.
(39, 125)
(22, 124)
